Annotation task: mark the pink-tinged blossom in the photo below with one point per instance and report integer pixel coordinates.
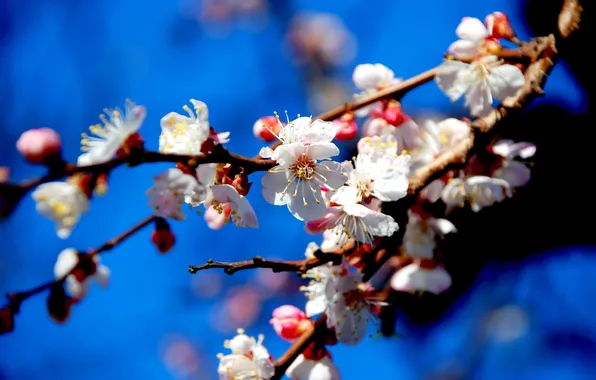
(249, 359)
(241, 212)
(418, 278)
(339, 292)
(349, 219)
(217, 217)
(297, 179)
(169, 191)
(421, 233)
(498, 26)
(516, 173)
(481, 81)
(78, 286)
(406, 134)
(472, 34)
(40, 146)
(63, 203)
(478, 191)
(105, 140)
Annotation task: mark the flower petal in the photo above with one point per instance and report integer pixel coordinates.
(304, 203)
(322, 150)
(448, 78)
(273, 183)
(505, 81)
(479, 99)
(462, 49)
(471, 29)
(320, 131)
(330, 174)
(515, 173)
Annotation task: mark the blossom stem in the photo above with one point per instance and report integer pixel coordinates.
(15, 299)
(299, 266)
(11, 193)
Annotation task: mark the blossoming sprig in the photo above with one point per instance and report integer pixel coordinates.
(74, 269)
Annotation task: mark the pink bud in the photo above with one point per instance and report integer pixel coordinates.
(215, 219)
(492, 45)
(266, 128)
(289, 322)
(393, 113)
(40, 146)
(498, 26)
(162, 236)
(347, 127)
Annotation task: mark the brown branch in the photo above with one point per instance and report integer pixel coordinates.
(15, 299)
(299, 266)
(536, 74)
(11, 193)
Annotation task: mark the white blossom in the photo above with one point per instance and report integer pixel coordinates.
(67, 261)
(480, 81)
(421, 233)
(242, 213)
(185, 134)
(378, 170)
(341, 294)
(351, 220)
(298, 176)
(169, 191)
(516, 173)
(479, 191)
(371, 78)
(106, 139)
(305, 369)
(472, 34)
(437, 138)
(406, 134)
(415, 278)
(62, 202)
(249, 359)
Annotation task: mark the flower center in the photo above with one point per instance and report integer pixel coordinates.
(304, 168)
(355, 299)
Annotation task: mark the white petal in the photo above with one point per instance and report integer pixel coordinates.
(412, 278)
(322, 150)
(66, 261)
(462, 49)
(242, 212)
(472, 29)
(262, 360)
(377, 223)
(448, 78)
(515, 173)
(432, 192)
(315, 306)
(266, 152)
(369, 76)
(330, 174)
(443, 226)
(273, 183)
(320, 131)
(305, 369)
(346, 195)
(392, 188)
(505, 81)
(102, 275)
(202, 112)
(304, 205)
(479, 99)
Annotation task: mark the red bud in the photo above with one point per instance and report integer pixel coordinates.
(162, 236)
(498, 26)
(59, 304)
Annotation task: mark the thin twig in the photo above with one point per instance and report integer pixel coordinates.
(299, 266)
(17, 298)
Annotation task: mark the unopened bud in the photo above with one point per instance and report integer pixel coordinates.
(498, 26)
(162, 236)
(6, 319)
(40, 146)
(290, 323)
(266, 128)
(101, 184)
(393, 113)
(492, 45)
(347, 127)
(59, 304)
(241, 184)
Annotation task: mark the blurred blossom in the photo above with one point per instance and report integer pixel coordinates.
(219, 17)
(180, 356)
(241, 307)
(274, 283)
(321, 37)
(325, 93)
(506, 324)
(207, 284)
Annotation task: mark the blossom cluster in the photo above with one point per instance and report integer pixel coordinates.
(342, 200)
